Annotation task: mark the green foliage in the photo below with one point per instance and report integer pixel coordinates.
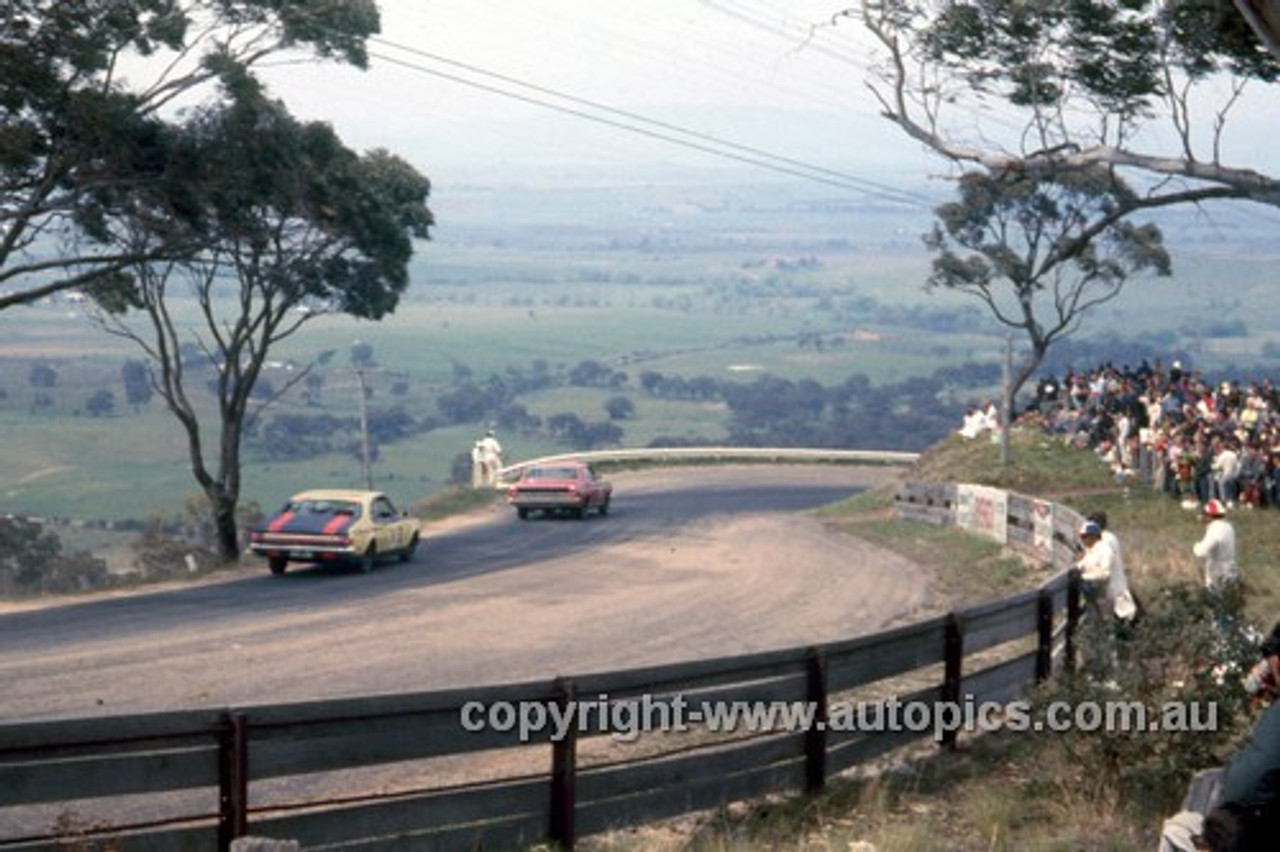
(100, 403)
(1183, 662)
(1042, 53)
(297, 223)
(162, 551)
(1211, 35)
(32, 562)
(1041, 250)
(78, 147)
(619, 407)
(137, 383)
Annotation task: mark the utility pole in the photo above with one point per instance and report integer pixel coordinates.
(364, 431)
(1006, 402)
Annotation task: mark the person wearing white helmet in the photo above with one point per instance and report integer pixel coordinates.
(490, 452)
(1217, 548)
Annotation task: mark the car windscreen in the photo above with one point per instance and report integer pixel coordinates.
(551, 473)
(324, 507)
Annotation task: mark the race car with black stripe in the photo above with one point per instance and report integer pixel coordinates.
(359, 528)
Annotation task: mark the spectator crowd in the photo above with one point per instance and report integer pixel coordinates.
(1190, 438)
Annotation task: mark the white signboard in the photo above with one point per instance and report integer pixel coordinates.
(982, 509)
(1042, 528)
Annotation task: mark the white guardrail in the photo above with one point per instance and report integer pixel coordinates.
(678, 455)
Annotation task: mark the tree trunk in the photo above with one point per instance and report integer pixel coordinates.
(227, 536)
(1020, 376)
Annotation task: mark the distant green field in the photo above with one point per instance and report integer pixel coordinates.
(682, 289)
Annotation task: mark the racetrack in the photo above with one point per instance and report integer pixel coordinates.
(691, 562)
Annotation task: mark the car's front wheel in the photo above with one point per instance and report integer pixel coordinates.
(407, 553)
(277, 564)
(604, 507)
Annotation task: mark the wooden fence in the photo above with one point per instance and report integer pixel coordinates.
(407, 772)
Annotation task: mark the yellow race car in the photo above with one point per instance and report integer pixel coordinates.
(354, 527)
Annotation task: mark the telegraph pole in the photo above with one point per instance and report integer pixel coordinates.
(1006, 404)
(364, 431)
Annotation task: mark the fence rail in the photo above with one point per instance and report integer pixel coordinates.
(671, 455)
(198, 779)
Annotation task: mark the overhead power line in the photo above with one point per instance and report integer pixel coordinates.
(638, 124)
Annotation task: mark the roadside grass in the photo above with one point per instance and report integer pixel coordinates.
(1003, 791)
(456, 500)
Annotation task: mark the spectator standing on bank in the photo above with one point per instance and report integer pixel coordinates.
(490, 457)
(1253, 473)
(1120, 600)
(1182, 463)
(1217, 548)
(1106, 590)
(1203, 470)
(1225, 471)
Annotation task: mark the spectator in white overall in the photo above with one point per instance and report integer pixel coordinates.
(1218, 548)
(490, 456)
(1106, 589)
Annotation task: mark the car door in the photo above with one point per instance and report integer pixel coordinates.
(591, 485)
(387, 531)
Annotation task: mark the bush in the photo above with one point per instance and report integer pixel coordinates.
(160, 555)
(32, 562)
(1187, 656)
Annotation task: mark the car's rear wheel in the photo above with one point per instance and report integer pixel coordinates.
(368, 559)
(522, 513)
(578, 512)
(277, 564)
(604, 507)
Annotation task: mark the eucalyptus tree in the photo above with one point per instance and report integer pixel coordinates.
(282, 224)
(1041, 252)
(1138, 86)
(86, 89)
(1085, 113)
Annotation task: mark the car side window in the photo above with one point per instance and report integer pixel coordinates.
(382, 509)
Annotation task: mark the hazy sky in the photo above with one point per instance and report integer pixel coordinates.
(490, 84)
(476, 89)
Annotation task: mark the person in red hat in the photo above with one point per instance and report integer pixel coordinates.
(1217, 548)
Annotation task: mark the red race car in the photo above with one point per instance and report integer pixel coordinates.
(563, 486)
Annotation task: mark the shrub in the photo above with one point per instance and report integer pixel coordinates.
(32, 562)
(1187, 656)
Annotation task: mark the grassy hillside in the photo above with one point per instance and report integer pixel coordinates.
(1006, 792)
(730, 281)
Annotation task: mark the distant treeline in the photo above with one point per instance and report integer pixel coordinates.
(908, 415)
(767, 411)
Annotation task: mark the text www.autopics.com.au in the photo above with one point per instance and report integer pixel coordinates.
(627, 719)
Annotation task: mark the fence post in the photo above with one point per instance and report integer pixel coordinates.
(1073, 617)
(815, 738)
(564, 766)
(953, 660)
(233, 779)
(1044, 635)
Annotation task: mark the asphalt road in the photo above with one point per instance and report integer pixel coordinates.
(689, 563)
